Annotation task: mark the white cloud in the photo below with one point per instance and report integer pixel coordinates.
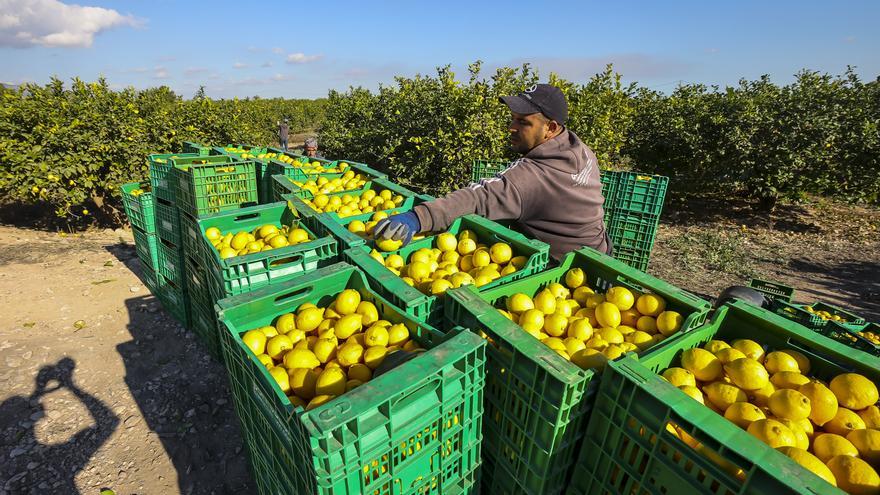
(278, 51)
(301, 58)
(161, 73)
(282, 77)
(26, 23)
(239, 65)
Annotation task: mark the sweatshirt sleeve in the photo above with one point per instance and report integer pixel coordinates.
(497, 198)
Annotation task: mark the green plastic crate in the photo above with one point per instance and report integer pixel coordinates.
(798, 313)
(414, 429)
(536, 401)
(376, 185)
(853, 336)
(203, 319)
(150, 279)
(168, 222)
(216, 187)
(245, 149)
(139, 209)
(627, 446)
(170, 264)
(163, 185)
(430, 308)
(240, 274)
(633, 235)
(174, 298)
(191, 147)
(191, 238)
(484, 169)
(639, 193)
(773, 290)
(282, 185)
(146, 246)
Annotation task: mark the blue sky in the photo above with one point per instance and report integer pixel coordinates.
(301, 50)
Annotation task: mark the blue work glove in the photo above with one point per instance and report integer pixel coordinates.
(400, 227)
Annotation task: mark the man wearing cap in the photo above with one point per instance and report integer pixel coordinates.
(310, 148)
(553, 191)
(283, 130)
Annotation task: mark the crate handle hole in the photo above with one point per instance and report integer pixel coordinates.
(284, 261)
(282, 299)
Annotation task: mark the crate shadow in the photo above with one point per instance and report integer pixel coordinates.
(852, 284)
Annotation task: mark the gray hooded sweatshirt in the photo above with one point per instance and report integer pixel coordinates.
(554, 193)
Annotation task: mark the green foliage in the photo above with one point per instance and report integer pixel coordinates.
(818, 135)
(71, 148)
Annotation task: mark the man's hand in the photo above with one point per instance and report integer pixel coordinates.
(400, 227)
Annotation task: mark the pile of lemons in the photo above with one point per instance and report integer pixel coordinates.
(832, 429)
(454, 261)
(263, 238)
(322, 185)
(590, 328)
(316, 354)
(314, 167)
(141, 190)
(347, 205)
(243, 153)
(825, 315)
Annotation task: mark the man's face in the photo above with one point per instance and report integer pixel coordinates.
(311, 151)
(527, 131)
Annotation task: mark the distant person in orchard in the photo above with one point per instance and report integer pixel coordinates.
(310, 148)
(553, 191)
(283, 131)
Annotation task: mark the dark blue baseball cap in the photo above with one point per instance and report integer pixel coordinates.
(539, 98)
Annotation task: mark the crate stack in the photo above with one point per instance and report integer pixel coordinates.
(138, 200)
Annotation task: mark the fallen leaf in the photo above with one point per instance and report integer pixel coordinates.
(79, 324)
(29, 324)
(105, 281)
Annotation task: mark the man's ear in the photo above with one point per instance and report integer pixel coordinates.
(552, 128)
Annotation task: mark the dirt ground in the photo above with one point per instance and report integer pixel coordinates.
(101, 388)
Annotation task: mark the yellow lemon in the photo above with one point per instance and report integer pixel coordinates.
(300, 358)
(331, 381)
(255, 340)
(278, 345)
(519, 302)
(573, 345)
(348, 325)
(854, 391)
(620, 297)
(650, 304)
(722, 395)
(297, 236)
(285, 323)
(349, 353)
(789, 404)
(545, 302)
(440, 286)
(647, 324)
(867, 442)
(369, 313)
(374, 356)
(376, 335)
(213, 233)
(669, 322)
(500, 253)
(870, 415)
(777, 361)
(581, 293)
(610, 335)
(630, 317)
(555, 324)
(843, 422)
(789, 379)
(702, 363)
(580, 328)
(608, 315)
(388, 245)
(642, 340)
(729, 355)
(466, 246)
(747, 374)
(279, 374)
(854, 475)
(318, 401)
(360, 372)
(302, 382)
(714, 346)
(802, 440)
(574, 278)
(308, 319)
(802, 361)
(446, 242)
(347, 302)
(773, 433)
(266, 360)
(742, 414)
(750, 348)
(810, 462)
(325, 349)
(693, 392)
(589, 359)
(594, 300)
(761, 396)
(679, 377)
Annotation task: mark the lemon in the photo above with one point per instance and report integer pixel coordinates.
(810, 462)
(596, 342)
(789, 404)
(466, 246)
(374, 356)
(213, 233)
(854, 475)
(348, 325)
(854, 391)
(870, 415)
(255, 340)
(647, 324)
(331, 381)
(376, 335)
(843, 422)
(630, 317)
(228, 252)
(747, 374)
(325, 349)
(269, 331)
(446, 242)
(823, 403)
(398, 334)
(610, 335)
(278, 345)
(360, 372)
(773, 433)
(500, 253)
(239, 240)
(613, 351)
(297, 236)
(554, 343)
(802, 361)
(589, 359)
(750, 348)
(642, 340)
(743, 414)
(347, 302)
(650, 304)
(693, 392)
(532, 320)
(802, 440)
(285, 323)
(581, 294)
(318, 401)
(308, 319)
(555, 325)
(279, 374)
(545, 302)
(300, 358)
(574, 278)
(369, 313)
(789, 379)
(728, 355)
(620, 297)
(607, 314)
(714, 346)
(702, 363)
(558, 290)
(580, 329)
(777, 361)
(573, 345)
(266, 360)
(302, 382)
(722, 395)
(761, 396)
(440, 286)
(679, 377)
(388, 245)
(669, 322)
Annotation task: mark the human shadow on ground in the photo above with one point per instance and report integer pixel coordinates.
(39, 466)
(184, 398)
(855, 281)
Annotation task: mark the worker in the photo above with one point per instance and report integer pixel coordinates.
(310, 148)
(553, 192)
(283, 130)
